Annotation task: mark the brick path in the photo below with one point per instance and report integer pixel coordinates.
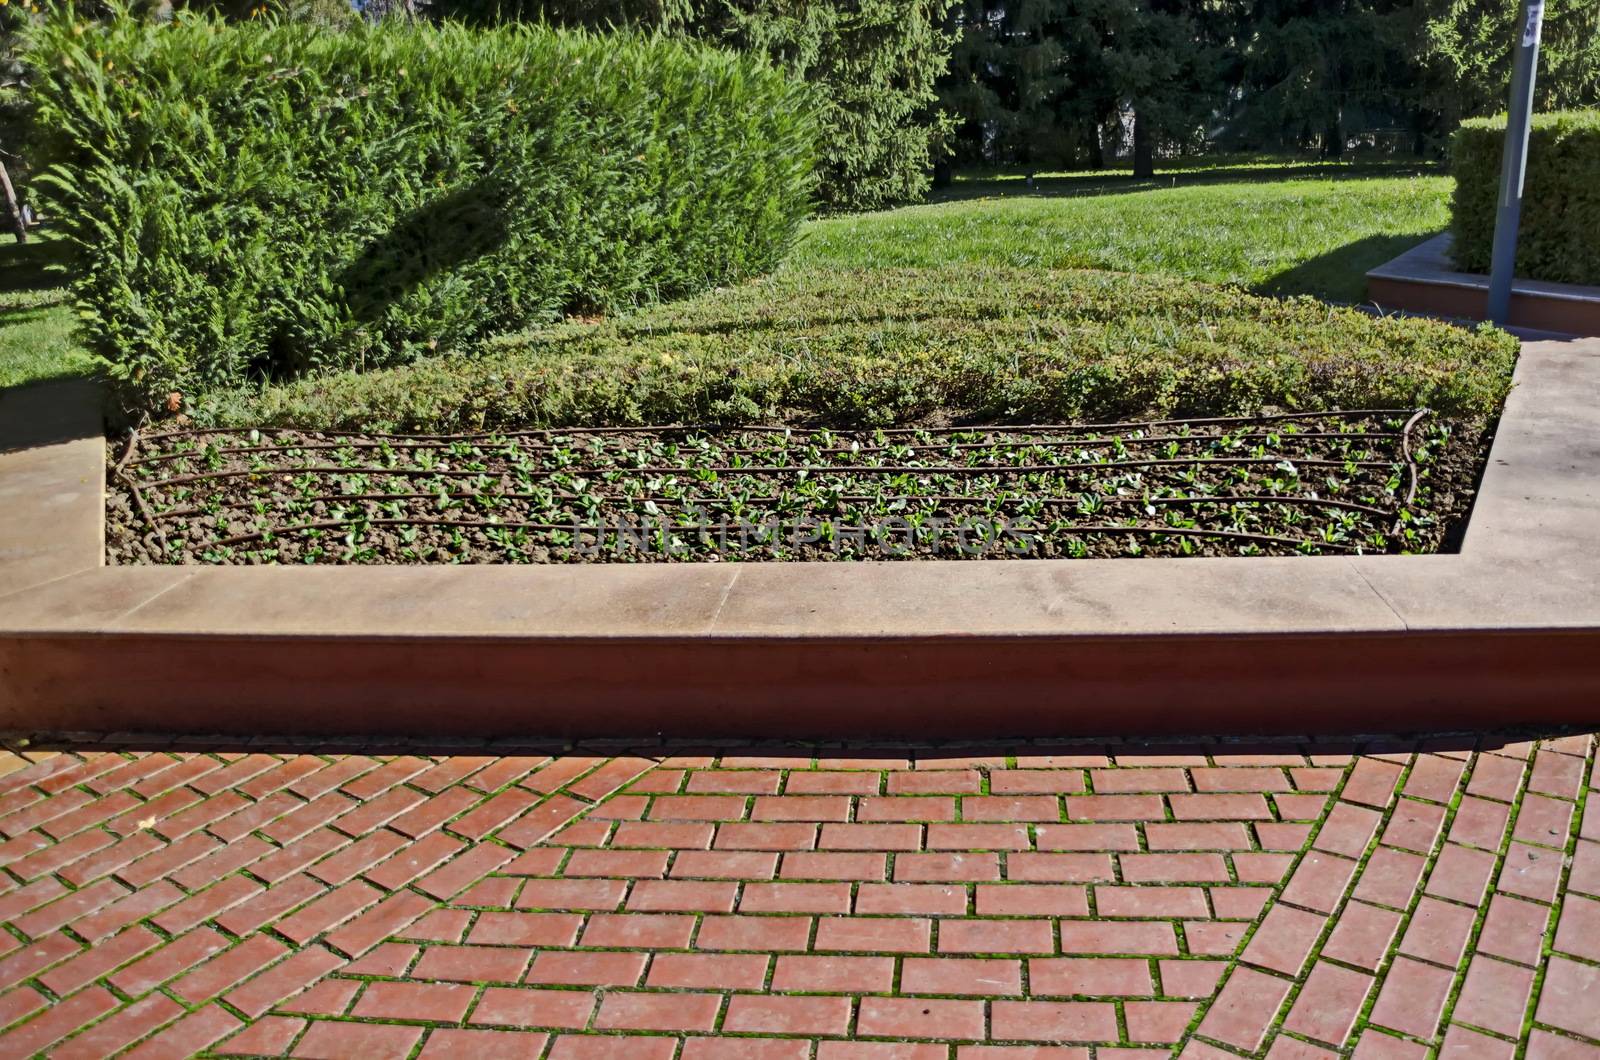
(896, 903)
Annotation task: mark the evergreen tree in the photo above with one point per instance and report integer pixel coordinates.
(1049, 81)
(876, 63)
(1163, 61)
(1313, 70)
(1467, 48)
(1009, 83)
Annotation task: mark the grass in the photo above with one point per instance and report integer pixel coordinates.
(1286, 230)
(877, 347)
(36, 315)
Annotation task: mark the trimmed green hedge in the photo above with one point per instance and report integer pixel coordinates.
(1560, 235)
(260, 201)
(873, 64)
(876, 347)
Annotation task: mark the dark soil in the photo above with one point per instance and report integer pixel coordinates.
(1284, 484)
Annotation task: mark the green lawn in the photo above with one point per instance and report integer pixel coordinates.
(36, 315)
(1297, 229)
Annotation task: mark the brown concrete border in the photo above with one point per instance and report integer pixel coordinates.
(1423, 280)
(1507, 631)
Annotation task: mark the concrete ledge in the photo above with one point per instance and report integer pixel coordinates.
(1506, 632)
(52, 484)
(1423, 280)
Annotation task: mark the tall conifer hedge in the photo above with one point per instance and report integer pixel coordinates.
(267, 200)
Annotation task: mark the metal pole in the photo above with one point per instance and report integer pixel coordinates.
(1514, 161)
(19, 220)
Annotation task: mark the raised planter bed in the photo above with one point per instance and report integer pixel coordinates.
(1506, 630)
(1423, 280)
(1358, 482)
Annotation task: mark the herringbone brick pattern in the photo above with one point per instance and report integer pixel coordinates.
(1109, 900)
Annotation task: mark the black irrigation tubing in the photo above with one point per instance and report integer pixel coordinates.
(1088, 440)
(1411, 468)
(616, 487)
(1039, 428)
(842, 471)
(139, 502)
(127, 451)
(479, 524)
(118, 471)
(150, 520)
(1405, 452)
(758, 502)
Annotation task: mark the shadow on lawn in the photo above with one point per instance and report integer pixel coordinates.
(26, 269)
(33, 313)
(1339, 274)
(1074, 185)
(31, 266)
(49, 412)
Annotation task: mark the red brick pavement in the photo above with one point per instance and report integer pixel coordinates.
(1381, 899)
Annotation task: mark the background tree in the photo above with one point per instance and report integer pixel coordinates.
(1164, 59)
(1009, 83)
(875, 63)
(1314, 70)
(1466, 50)
(1054, 81)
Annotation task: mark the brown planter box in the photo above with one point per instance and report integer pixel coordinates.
(1507, 631)
(1422, 280)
